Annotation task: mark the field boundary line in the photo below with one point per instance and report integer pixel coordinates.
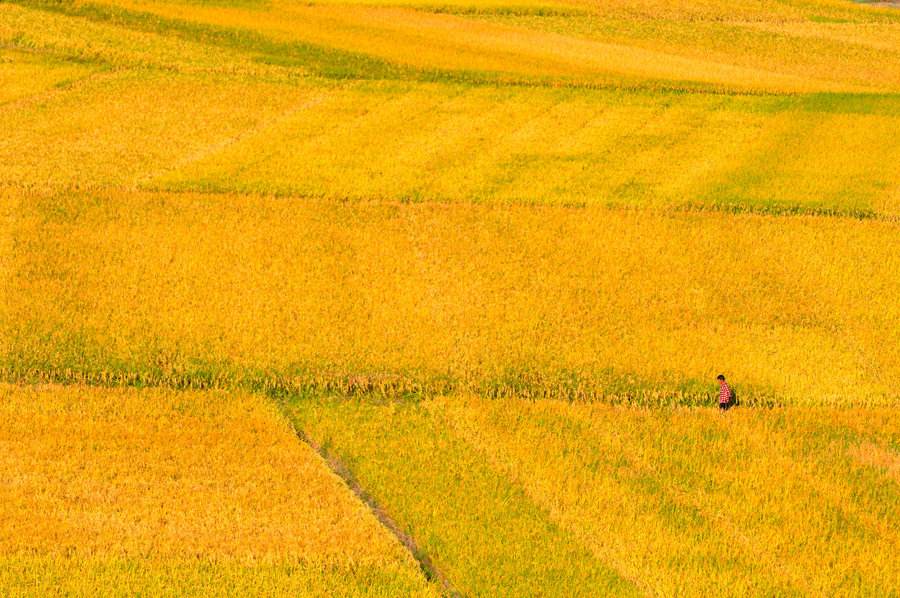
(426, 565)
(674, 210)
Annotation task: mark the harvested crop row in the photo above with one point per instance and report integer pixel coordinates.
(572, 303)
(162, 490)
(751, 503)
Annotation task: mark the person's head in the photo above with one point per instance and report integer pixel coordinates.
(720, 378)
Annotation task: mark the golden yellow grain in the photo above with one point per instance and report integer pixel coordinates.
(763, 496)
(324, 290)
(110, 577)
(752, 502)
(452, 143)
(427, 40)
(138, 473)
(100, 44)
(23, 74)
(120, 126)
(845, 52)
(185, 493)
(9, 205)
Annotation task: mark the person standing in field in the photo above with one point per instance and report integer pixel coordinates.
(726, 395)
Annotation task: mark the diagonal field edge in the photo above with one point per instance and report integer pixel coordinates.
(429, 569)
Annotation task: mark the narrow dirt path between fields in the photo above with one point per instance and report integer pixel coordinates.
(431, 572)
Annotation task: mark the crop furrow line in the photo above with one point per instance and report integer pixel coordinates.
(675, 210)
(429, 569)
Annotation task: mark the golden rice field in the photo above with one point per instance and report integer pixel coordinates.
(169, 493)
(427, 297)
(572, 303)
(661, 502)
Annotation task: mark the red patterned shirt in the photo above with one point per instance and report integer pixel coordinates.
(725, 393)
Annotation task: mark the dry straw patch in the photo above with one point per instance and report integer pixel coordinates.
(880, 458)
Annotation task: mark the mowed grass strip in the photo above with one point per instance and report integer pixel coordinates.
(571, 303)
(782, 502)
(477, 528)
(152, 490)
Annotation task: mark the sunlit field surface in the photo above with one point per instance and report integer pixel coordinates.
(487, 256)
(174, 492)
(779, 108)
(569, 303)
(781, 502)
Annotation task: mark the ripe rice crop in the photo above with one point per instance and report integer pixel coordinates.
(166, 490)
(788, 501)
(574, 303)
(480, 530)
(815, 47)
(267, 125)
(114, 576)
(488, 256)
(103, 45)
(143, 123)
(426, 40)
(22, 74)
(784, 497)
(820, 155)
(451, 143)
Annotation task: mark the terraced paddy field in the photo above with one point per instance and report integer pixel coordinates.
(426, 297)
